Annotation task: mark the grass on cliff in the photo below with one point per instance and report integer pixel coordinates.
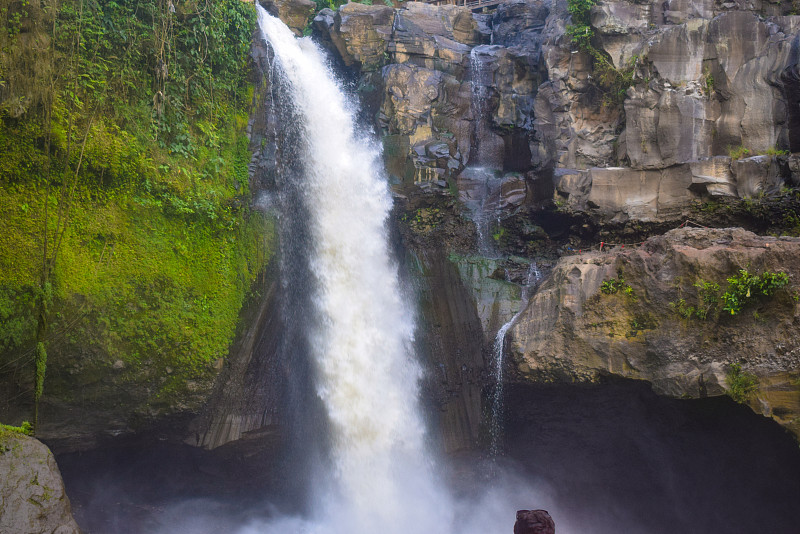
(142, 274)
(741, 384)
(24, 428)
(744, 289)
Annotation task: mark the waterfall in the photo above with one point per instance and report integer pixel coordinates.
(498, 353)
(378, 476)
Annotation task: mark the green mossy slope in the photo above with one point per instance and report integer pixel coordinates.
(128, 244)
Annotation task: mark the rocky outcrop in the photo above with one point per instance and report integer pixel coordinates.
(503, 112)
(715, 86)
(294, 13)
(31, 490)
(705, 80)
(359, 33)
(573, 331)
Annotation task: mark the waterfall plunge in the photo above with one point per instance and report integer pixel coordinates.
(379, 479)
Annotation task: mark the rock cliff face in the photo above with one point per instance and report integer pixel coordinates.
(573, 331)
(511, 93)
(31, 489)
(501, 138)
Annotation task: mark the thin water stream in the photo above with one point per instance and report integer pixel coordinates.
(498, 361)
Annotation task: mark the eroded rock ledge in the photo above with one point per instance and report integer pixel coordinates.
(571, 331)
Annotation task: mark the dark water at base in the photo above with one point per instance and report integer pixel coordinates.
(609, 459)
(618, 458)
(148, 485)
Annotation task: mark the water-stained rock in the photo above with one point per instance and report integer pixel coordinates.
(520, 24)
(759, 176)
(714, 177)
(620, 18)
(666, 126)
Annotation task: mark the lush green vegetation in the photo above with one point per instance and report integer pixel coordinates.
(707, 302)
(640, 322)
(744, 288)
(741, 384)
(124, 184)
(616, 285)
(738, 152)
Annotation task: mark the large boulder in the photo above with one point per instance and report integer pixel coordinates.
(435, 37)
(640, 195)
(31, 490)
(621, 194)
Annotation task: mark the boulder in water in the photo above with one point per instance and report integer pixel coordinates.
(534, 522)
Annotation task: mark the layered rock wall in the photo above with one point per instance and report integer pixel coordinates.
(508, 91)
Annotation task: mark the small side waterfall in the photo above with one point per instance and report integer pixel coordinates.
(479, 183)
(498, 353)
(481, 88)
(360, 332)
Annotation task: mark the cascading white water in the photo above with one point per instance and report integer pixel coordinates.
(380, 480)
